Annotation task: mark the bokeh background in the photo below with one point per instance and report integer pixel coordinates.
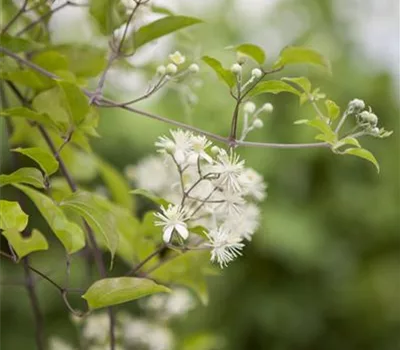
(323, 270)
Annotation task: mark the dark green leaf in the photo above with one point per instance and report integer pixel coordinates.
(225, 74)
(363, 153)
(161, 27)
(30, 176)
(41, 156)
(12, 216)
(113, 291)
(100, 220)
(25, 245)
(253, 51)
(74, 101)
(296, 54)
(272, 87)
(69, 233)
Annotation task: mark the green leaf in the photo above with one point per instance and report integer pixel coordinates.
(22, 112)
(12, 216)
(253, 51)
(74, 101)
(52, 61)
(333, 109)
(69, 233)
(346, 141)
(301, 82)
(100, 220)
(296, 54)
(225, 74)
(328, 134)
(162, 10)
(109, 14)
(151, 196)
(363, 153)
(272, 87)
(113, 291)
(161, 27)
(29, 176)
(116, 183)
(25, 245)
(188, 269)
(41, 156)
(16, 44)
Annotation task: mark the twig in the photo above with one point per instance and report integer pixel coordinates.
(18, 14)
(147, 259)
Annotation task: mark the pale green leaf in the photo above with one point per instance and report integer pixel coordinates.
(100, 220)
(296, 54)
(272, 87)
(16, 44)
(328, 134)
(346, 141)
(52, 61)
(23, 112)
(25, 245)
(116, 183)
(224, 74)
(74, 101)
(161, 27)
(151, 196)
(70, 234)
(301, 82)
(44, 158)
(333, 109)
(363, 153)
(162, 10)
(12, 216)
(29, 176)
(113, 291)
(253, 51)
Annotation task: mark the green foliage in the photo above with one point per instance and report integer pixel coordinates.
(23, 246)
(333, 109)
(225, 74)
(44, 158)
(29, 176)
(363, 153)
(162, 27)
(109, 14)
(16, 44)
(12, 216)
(272, 87)
(69, 233)
(151, 196)
(23, 112)
(253, 51)
(112, 291)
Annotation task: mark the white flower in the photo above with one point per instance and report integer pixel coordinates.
(225, 246)
(249, 107)
(180, 146)
(177, 58)
(232, 203)
(179, 302)
(173, 219)
(96, 328)
(253, 184)
(245, 223)
(229, 167)
(199, 145)
(58, 344)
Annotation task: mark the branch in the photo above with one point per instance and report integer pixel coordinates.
(111, 103)
(16, 16)
(146, 260)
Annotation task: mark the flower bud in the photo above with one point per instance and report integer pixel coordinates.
(161, 70)
(373, 119)
(256, 72)
(364, 116)
(240, 58)
(356, 105)
(194, 68)
(375, 131)
(236, 68)
(215, 150)
(177, 58)
(268, 107)
(258, 123)
(249, 107)
(171, 68)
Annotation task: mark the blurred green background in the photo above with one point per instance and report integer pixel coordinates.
(323, 270)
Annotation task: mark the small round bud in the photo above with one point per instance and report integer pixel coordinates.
(364, 116)
(268, 107)
(249, 107)
(258, 123)
(161, 70)
(215, 150)
(375, 131)
(373, 119)
(236, 68)
(171, 68)
(257, 73)
(356, 105)
(194, 68)
(240, 58)
(177, 58)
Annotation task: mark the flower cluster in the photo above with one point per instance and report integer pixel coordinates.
(206, 186)
(176, 60)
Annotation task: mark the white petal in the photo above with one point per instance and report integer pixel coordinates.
(168, 233)
(182, 230)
